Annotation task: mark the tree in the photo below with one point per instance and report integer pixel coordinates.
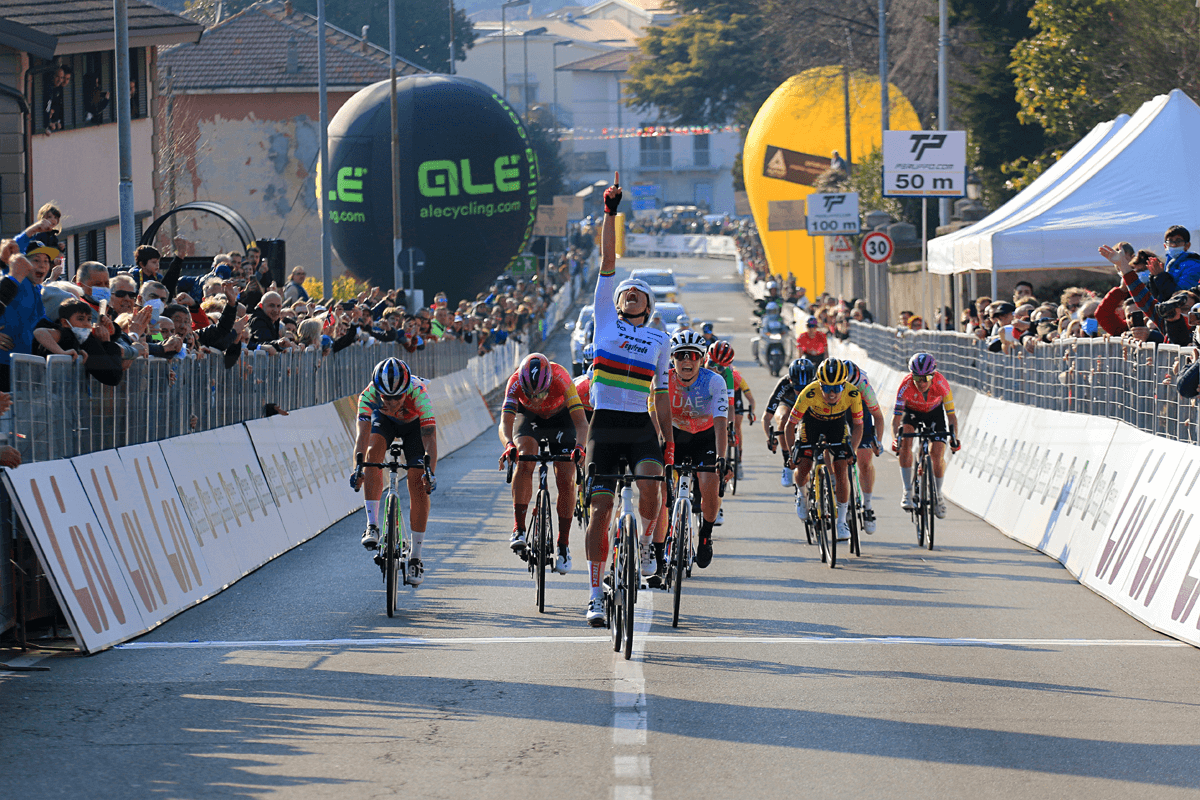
(422, 28)
(550, 165)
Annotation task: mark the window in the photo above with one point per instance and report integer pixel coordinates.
(700, 150)
(81, 101)
(656, 150)
(90, 246)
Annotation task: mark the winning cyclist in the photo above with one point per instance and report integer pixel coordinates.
(542, 407)
(800, 374)
(395, 404)
(820, 411)
(699, 408)
(631, 363)
(869, 447)
(924, 396)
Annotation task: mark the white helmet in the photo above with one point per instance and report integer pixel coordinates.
(641, 286)
(688, 340)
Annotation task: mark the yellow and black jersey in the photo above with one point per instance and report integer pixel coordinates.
(811, 405)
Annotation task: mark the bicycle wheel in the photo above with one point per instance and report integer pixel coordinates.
(630, 556)
(680, 537)
(735, 458)
(930, 492)
(616, 596)
(816, 519)
(541, 537)
(854, 513)
(829, 515)
(391, 552)
(808, 529)
(918, 503)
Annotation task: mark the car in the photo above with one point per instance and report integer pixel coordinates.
(672, 315)
(662, 281)
(582, 330)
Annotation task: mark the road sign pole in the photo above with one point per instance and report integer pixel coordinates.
(925, 257)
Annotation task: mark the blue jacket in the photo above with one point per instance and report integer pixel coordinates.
(19, 319)
(1185, 269)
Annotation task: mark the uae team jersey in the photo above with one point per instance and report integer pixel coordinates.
(414, 404)
(693, 408)
(910, 398)
(631, 360)
(560, 395)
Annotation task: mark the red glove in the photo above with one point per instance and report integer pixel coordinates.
(612, 199)
(669, 454)
(577, 454)
(955, 445)
(510, 452)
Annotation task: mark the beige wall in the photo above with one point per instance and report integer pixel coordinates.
(79, 171)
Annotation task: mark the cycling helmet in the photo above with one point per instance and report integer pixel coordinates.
(721, 353)
(706, 327)
(832, 372)
(391, 377)
(854, 375)
(589, 353)
(772, 285)
(641, 286)
(801, 373)
(772, 307)
(687, 340)
(683, 321)
(534, 374)
(922, 364)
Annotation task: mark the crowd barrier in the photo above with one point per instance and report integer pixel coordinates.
(647, 244)
(1113, 503)
(130, 536)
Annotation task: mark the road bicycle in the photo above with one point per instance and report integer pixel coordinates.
(394, 547)
(686, 518)
(822, 503)
(925, 492)
(774, 436)
(621, 586)
(733, 450)
(854, 513)
(539, 545)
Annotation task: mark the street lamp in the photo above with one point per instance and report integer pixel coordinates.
(554, 49)
(525, 46)
(504, 7)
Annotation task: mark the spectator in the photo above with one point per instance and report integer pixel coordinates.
(1182, 264)
(294, 290)
(23, 309)
(55, 84)
(49, 218)
(264, 323)
(76, 336)
(92, 278)
(95, 99)
(1022, 293)
(235, 263)
(254, 259)
(147, 260)
(1167, 317)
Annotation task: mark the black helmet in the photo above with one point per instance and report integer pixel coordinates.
(801, 373)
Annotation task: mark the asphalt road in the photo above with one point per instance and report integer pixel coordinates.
(981, 668)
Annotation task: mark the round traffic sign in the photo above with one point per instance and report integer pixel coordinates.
(877, 247)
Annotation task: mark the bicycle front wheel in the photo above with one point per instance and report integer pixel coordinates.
(829, 515)
(541, 539)
(854, 513)
(929, 490)
(629, 555)
(680, 538)
(391, 551)
(735, 459)
(816, 512)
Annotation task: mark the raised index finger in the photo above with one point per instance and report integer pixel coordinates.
(617, 179)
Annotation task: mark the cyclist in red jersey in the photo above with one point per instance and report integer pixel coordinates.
(924, 397)
(541, 405)
(813, 344)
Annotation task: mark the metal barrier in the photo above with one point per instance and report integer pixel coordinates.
(1104, 377)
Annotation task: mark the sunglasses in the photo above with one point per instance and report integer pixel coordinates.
(922, 378)
(686, 355)
(835, 388)
(123, 293)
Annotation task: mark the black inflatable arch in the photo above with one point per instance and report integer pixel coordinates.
(223, 212)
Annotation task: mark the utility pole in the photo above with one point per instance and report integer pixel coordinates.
(397, 233)
(392, 13)
(883, 65)
(124, 132)
(326, 182)
(943, 94)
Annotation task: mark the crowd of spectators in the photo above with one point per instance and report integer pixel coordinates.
(109, 318)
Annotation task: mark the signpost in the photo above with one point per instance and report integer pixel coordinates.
(833, 214)
(786, 215)
(524, 264)
(877, 247)
(838, 250)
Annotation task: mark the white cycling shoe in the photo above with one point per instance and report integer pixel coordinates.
(802, 507)
(939, 510)
(843, 531)
(416, 572)
(869, 520)
(595, 612)
(562, 564)
(720, 520)
(907, 502)
(785, 479)
(647, 559)
(370, 539)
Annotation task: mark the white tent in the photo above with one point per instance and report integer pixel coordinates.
(1129, 179)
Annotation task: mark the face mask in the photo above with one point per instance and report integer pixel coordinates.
(157, 305)
(81, 333)
(1173, 251)
(101, 293)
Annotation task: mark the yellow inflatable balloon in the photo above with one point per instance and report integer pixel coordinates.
(790, 143)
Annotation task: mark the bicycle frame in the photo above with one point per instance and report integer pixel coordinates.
(541, 549)
(822, 509)
(926, 487)
(392, 555)
(681, 538)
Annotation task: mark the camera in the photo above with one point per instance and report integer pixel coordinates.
(1168, 308)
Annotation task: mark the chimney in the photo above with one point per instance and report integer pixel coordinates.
(366, 28)
(287, 8)
(293, 57)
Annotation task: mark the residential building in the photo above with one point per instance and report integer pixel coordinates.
(241, 124)
(58, 132)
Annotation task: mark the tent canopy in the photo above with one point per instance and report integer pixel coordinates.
(1118, 183)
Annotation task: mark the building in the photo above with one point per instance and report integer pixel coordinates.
(241, 124)
(58, 132)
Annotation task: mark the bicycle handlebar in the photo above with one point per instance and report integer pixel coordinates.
(542, 458)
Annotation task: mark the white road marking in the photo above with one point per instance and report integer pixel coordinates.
(639, 642)
(630, 723)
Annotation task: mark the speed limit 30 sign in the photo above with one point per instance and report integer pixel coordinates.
(877, 247)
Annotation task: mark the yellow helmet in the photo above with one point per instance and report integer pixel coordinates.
(832, 371)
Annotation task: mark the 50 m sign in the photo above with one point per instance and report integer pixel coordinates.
(924, 163)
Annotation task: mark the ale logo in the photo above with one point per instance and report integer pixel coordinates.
(349, 185)
(440, 178)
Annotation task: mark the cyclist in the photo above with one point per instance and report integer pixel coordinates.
(706, 331)
(699, 408)
(719, 359)
(813, 343)
(541, 406)
(821, 410)
(395, 404)
(869, 447)
(583, 384)
(800, 374)
(631, 364)
(924, 396)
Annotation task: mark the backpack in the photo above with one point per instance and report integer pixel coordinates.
(1188, 382)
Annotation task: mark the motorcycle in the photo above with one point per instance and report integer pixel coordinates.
(772, 343)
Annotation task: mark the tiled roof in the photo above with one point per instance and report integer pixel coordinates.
(616, 61)
(250, 51)
(46, 29)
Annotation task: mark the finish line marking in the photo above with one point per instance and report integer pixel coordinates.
(678, 639)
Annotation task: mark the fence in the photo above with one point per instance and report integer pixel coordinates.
(1105, 377)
